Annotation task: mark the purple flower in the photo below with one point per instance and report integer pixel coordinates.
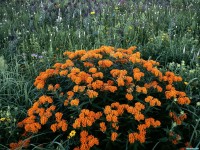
(40, 57)
(34, 55)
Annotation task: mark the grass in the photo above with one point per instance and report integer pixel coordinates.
(34, 34)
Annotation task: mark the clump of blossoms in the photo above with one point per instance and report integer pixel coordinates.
(106, 95)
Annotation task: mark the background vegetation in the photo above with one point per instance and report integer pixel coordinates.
(34, 34)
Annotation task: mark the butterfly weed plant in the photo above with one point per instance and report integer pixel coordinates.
(105, 98)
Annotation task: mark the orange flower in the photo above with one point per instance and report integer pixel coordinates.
(141, 89)
(66, 102)
(43, 99)
(89, 80)
(152, 101)
(84, 133)
(102, 127)
(40, 85)
(32, 127)
(88, 64)
(57, 65)
(117, 55)
(109, 117)
(78, 80)
(159, 88)
(183, 100)
(54, 127)
(20, 144)
(105, 63)
(120, 82)
(43, 120)
(139, 116)
(107, 110)
(114, 136)
(50, 87)
(58, 116)
(63, 125)
(137, 74)
(106, 87)
(63, 72)
(114, 118)
(69, 63)
(97, 84)
(98, 75)
(74, 102)
(93, 70)
(70, 94)
(114, 125)
(87, 141)
(131, 138)
(76, 88)
(128, 80)
(92, 94)
(129, 96)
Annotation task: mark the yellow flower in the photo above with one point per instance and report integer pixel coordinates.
(186, 83)
(71, 134)
(2, 119)
(92, 13)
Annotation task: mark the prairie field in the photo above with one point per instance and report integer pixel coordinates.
(99, 74)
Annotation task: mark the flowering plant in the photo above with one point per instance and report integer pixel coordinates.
(105, 98)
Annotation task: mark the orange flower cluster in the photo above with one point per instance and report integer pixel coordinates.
(135, 58)
(89, 55)
(109, 86)
(92, 93)
(152, 101)
(105, 63)
(86, 118)
(112, 115)
(181, 97)
(178, 119)
(30, 124)
(70, 94)
(137, 74)
(88, 64)
(153, 84)
(78, 88)
(53, 88)
(41, 79)
(60, 123)
(103, 127)
(87, 141)
(129, 97)
(114, 136)
(90, 80)
(21, 144)
(75, 54)
(141, 89)
(170, 77)
(142, 130)
(78, 76)
(74, 102)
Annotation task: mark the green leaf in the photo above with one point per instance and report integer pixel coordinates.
(165, 139)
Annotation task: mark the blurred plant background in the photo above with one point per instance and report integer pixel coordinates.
(35, 33)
